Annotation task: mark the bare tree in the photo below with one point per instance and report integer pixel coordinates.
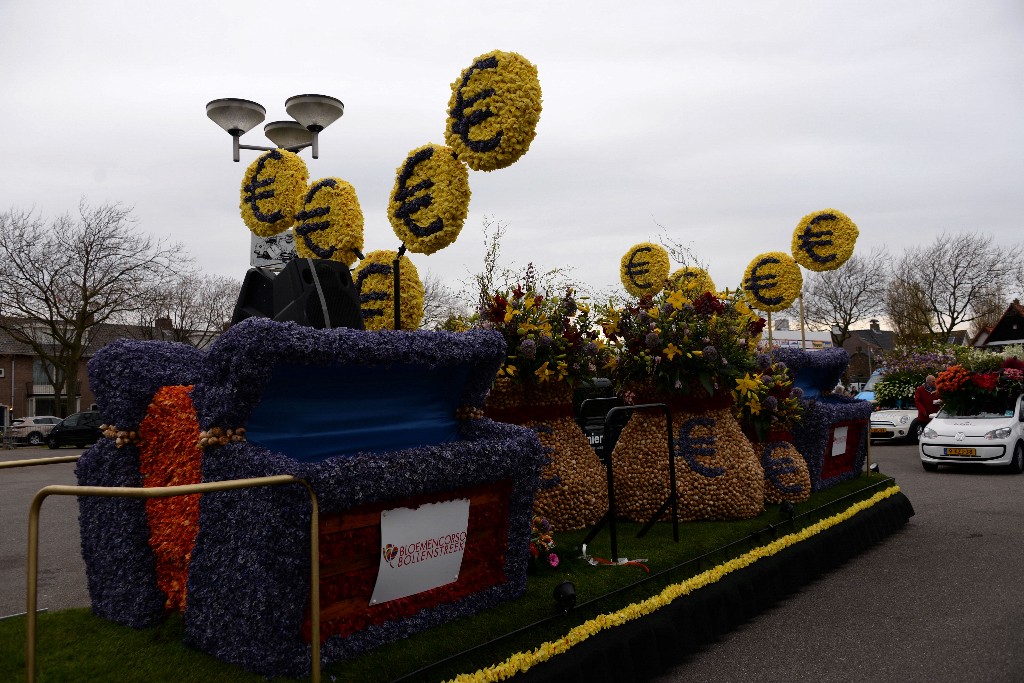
(853, 292)
(496, 276)
(440, 303)
(60, 280)
(957, 277)
(907, 310)
(193, 308)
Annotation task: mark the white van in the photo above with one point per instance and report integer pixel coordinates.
(993, 434)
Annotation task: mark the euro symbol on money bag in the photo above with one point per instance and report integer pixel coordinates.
(430, 199)
(643, 269)
(272, 191)
(824, 240)
(772, 281)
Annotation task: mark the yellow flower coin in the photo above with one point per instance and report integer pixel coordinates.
(772, 281)
(330, 225)
(375, 280)
(644, 268)
(430, 199)
(493, 111)
(691, 279)
(824, 240)
(273, 188)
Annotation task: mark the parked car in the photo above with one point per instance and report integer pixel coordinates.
(894, 425)
(32, 430)
(993, 436)
(80, 429)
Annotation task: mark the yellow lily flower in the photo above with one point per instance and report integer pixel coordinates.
(747, 383)
(543, 373)
(671, 351)
(677, 299)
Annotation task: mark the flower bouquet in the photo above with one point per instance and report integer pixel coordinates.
(906, 370)
(686, 353)
(542, 543)
(766, 402)
(966, 392)
(552, 345)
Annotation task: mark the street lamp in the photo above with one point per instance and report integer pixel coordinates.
(312, 113)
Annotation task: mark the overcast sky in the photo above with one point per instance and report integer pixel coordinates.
(722, 122)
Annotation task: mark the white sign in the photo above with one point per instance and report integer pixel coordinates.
(272, 252)
(839, 440)
(420, 548)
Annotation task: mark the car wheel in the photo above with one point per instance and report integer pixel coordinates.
(1017, 464)
(35, 439)
(930, 466)
(914, 433)
(52, 443)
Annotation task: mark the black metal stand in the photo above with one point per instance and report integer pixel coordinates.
(614, 422)
(397, 271)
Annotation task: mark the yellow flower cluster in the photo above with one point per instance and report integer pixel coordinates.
(523, 661)
(430, 199)
(692, 280)
(494, 110)
(824, 240)
(272, 191)
(375, 280)
(644, 269)
(772, 281)
(330, 225)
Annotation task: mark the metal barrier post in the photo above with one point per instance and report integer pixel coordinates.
(166, 492)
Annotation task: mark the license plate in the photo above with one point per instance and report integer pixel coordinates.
(959, 451)
(879, 430)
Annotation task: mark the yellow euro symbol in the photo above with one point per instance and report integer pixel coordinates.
(430, 200)
(330, 225)
(272, 191)
(824, 240)
(375, 280)
(493, 110)
(772, 281)
(691, 279)
(643, 269)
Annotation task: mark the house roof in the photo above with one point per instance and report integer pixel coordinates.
(1009, 327)
(879, 339)
(101, 335)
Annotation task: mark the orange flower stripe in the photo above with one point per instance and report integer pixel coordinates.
(169, 456)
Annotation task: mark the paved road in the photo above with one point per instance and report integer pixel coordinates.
(939, 601)
(942, 600)
(61, 570)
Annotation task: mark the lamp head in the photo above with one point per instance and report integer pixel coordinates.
(234, 115)
(287, 134)
(315, 112)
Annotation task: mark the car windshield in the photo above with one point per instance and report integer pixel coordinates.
(872, 381)
(981, 407)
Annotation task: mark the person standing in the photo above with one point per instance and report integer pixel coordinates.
(926, 400)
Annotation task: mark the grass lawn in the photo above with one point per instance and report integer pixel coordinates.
(74, 645)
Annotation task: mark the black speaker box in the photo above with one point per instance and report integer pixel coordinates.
(318, 293)
(256, 298)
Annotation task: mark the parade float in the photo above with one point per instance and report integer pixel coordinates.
(433, 496)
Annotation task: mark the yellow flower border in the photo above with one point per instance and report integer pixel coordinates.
(658, 265)
(430, 199)
(494, 110)
(272, 191)
(828, 247)
(523, 661)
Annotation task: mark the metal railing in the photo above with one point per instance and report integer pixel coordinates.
(161, 492)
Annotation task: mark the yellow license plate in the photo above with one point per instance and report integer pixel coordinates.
(959, 451)
(879, 430)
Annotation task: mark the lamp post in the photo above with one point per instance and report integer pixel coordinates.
(311, 114)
